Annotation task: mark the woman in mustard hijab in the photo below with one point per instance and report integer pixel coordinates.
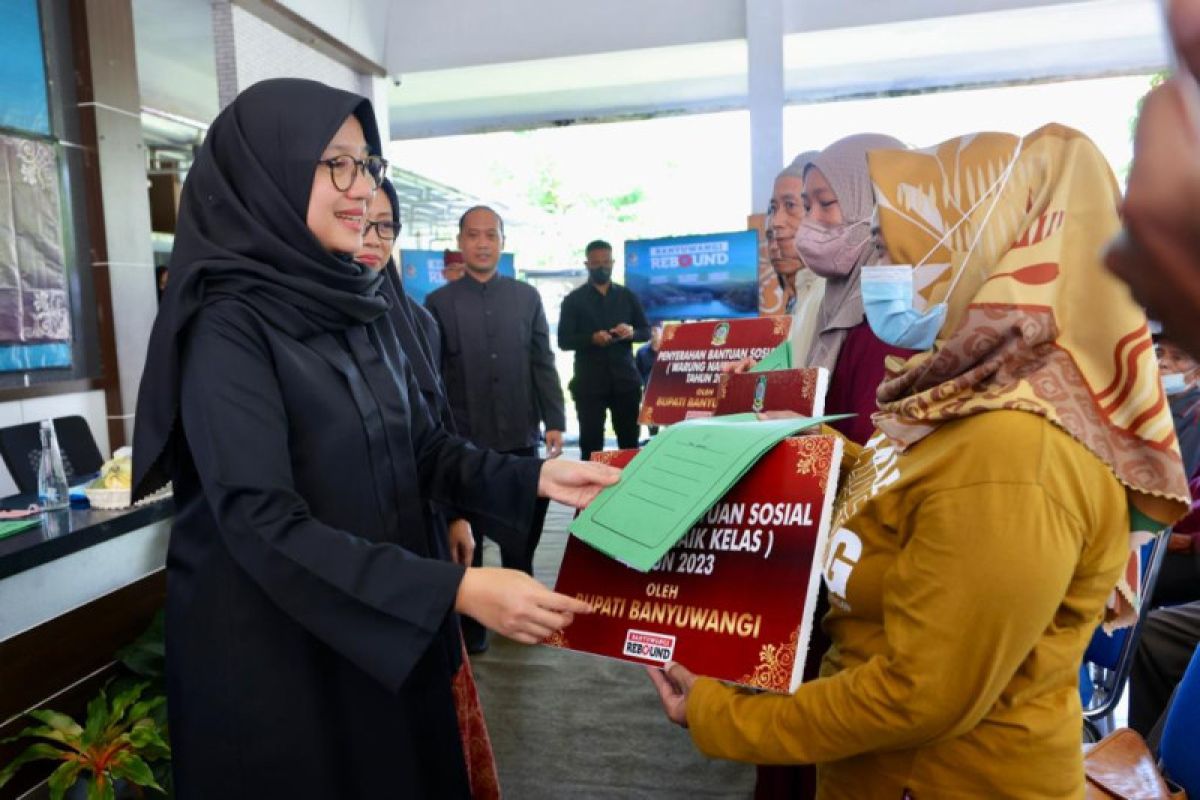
(985, 525)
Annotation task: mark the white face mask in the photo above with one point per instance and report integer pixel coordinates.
(888, 294)
(1173, 382)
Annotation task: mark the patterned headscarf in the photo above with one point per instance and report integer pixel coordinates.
(1034, 321)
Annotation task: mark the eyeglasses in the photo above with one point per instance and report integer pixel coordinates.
(344, 169)
(384, 228)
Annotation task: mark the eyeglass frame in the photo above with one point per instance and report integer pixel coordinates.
(361, 168)
(379, 231)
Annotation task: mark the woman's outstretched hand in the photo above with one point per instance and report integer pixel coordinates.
(575, 483)
(512, 603)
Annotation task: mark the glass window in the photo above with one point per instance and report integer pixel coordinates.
(35, 309)
(23, 103)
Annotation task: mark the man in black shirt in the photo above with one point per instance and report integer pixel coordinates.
(598, 321)
(499, 373)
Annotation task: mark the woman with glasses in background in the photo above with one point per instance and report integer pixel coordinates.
(312, 632)
(418, 333)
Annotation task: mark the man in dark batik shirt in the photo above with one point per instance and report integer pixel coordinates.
(499, 373)
(598, 321)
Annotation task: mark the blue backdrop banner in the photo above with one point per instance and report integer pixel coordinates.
(710, 276)
(421, 271)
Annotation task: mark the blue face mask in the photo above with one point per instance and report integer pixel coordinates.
(888, 293)
(887, 296)
(1173, 382)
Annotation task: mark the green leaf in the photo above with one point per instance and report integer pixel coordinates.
(159, 716)
(63, 778)
(162, 774)
(60, 722)
(42, 732)
(129, 766)
(97, 719)
(35, 752)
(122, 703)
(145, 739)
(143, 708)
(100, 787)
(148, 661)
(146, 655)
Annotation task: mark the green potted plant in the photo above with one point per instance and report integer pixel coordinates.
(116, 744)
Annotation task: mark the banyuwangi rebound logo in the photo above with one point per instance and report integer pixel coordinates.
(650, 646)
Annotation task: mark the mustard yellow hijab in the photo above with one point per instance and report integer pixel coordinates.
(1034, 321)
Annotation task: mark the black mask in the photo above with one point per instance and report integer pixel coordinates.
(599, 275)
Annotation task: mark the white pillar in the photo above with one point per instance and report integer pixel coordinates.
(224, 52)
(249, 46)
(764, 43)
(375, 89)
(125, 204)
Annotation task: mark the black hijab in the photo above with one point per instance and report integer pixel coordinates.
(410, 331)
(242, 233)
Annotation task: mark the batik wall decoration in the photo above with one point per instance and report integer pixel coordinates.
(35, 313)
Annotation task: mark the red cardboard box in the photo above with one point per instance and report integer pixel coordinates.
(798, 390)
(686, 375)
(735, 598)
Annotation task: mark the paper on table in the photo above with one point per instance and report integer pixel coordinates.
(678, 476)
(779, 358)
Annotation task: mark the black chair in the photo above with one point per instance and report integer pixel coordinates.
(21, 448)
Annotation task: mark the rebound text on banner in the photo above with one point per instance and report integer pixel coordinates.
(706, 276)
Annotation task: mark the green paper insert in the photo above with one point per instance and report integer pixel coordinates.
(678, 476)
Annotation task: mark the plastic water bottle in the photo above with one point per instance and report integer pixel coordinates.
(53, 492)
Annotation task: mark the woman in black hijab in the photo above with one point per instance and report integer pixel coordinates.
(311, 628)
(420, 339)
(415, 326)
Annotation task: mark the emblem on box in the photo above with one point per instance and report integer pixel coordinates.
(760, 394)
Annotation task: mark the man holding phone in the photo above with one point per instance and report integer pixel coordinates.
(599, 321)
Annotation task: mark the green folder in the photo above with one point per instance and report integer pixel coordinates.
(779, 358)
(678, 476)
(8, 527)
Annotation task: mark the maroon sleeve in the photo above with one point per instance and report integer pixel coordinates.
(855, 379)
(1191, 523)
